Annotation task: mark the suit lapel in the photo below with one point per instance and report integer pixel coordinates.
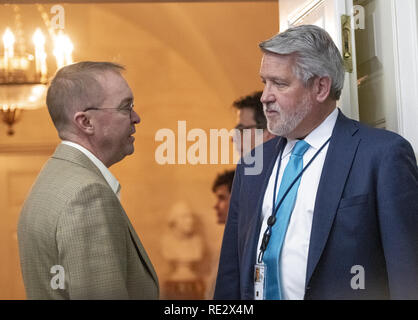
(256, 221)
(68, 153)
(256, 225)
(141, 251)
(342, 149)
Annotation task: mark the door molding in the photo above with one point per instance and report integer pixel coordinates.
(405, 38)
(296, 17)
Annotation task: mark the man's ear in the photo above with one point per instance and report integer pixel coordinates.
(83, 122)
(322, 86)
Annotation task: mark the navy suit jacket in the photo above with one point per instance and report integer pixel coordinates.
(366, 214)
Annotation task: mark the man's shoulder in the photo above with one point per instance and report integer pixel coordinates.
(69, 174)
(60, 184)
(59, 181)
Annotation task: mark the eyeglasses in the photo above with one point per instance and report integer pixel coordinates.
(124, 109)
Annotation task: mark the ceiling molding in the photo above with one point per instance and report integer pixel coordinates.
(120, 1)
(27, 148)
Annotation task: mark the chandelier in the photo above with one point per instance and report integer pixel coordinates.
(27, 60)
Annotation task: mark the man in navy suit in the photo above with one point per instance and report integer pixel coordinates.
(352, 227)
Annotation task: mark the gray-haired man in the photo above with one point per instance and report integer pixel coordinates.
(334, 214)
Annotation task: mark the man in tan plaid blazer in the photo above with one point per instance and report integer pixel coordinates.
(75, 239)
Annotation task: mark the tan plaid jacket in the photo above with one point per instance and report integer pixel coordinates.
(73, 219)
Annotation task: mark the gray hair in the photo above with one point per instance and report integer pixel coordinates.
(74, 88)
(316, 54)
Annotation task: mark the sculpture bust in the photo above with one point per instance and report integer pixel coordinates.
(182, 246)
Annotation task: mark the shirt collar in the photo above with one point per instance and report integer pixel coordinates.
(110, 179)
(318, 136)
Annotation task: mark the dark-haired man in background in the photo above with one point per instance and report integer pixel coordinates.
(250, 116)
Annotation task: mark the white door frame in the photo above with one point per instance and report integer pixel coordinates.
(405, 38)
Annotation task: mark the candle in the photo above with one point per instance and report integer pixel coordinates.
(68, 51)
(40, 55)
(8, 43)
(63, 49)
(58, 50)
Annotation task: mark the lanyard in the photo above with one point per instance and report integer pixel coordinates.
(272, 219)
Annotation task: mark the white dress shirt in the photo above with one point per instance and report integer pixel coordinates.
(109, 177)
(294, 254)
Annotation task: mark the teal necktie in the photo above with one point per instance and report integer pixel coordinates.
(272, 254)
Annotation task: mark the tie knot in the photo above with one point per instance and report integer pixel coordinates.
(300, 148)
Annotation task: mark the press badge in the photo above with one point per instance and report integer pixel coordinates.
(259, 281)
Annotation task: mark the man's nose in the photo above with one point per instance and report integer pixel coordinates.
(267, 96)
(135, 117)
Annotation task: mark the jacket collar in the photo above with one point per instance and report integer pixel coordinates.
(67, 153)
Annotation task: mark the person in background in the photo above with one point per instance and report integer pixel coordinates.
(222, 189)
(250, 116)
